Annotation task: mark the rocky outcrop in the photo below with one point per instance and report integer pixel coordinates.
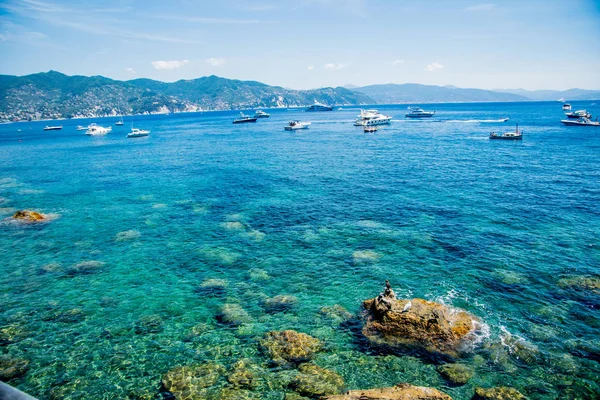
(290, 346)
(189, 382)
(458, 374)
(244, 375)
(583, 283)
(29, 216)
(497, 393)
(233, 314)
(314, 381)
(12, 367)
(417, 324)
(402, 391)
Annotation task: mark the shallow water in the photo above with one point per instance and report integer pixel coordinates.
(326, 215)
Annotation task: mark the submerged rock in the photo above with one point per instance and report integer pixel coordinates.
(128, 235)
(212, 286)
(244, 375)
(12, 367)
(69, 316)
(418, 324)
(365, 256)
(233, 314)
(187, 382)
(279, 303)
(29, 216)
(497, 393)
(586, 283)
(149, 324)
(290, 346)
(402, 391)
(458, 374)
(86, 267)
(336, 312)
(314, 381)
(12, 333)
(238, 394)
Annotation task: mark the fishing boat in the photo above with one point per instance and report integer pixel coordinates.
(371, 118)
(136, 132)
(579, 114)
(581, 122)
(261, 114)
(53, 128)
(516, 135)
(97, 130)
(369, 129)
(566, 107)
(319, 107)
(417, 112)
(294, 125)
(244, 118)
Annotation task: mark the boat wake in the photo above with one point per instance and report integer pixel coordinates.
(477, 121)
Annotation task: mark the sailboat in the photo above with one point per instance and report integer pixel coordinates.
(120, 122)
(136, 132)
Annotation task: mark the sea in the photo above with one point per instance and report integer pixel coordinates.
(148, 240)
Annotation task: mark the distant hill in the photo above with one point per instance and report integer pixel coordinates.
(416, 93)
(56, 95)
(568, 95)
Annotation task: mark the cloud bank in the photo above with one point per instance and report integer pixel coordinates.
(433, 66)
(169, 64)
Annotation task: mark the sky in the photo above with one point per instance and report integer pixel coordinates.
(303, 44)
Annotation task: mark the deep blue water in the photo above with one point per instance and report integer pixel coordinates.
(326, 215)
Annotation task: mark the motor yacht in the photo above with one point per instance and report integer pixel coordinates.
(97, 130)
(417, 112)
(319, 107)
(261, 114)
(581, 122)
(371, 118)
(244, 118)
(294, 125)
(136, 132)
(566, 107)
(516, 135)
(579, 114)
(53, 128)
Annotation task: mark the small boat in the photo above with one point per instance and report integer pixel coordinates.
(261, 114)
(516, 135)
(81, 128)
(319, 107)
(97, 130)
(371, 117)
(581, 122)
(369, 129)
(244, 118)
(294, 125)
(566, 107)
(504, 120)
(53, 128)
(136, 132)
(579, 114)
(417, 112)
(119, 123)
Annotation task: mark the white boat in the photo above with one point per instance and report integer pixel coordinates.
(135, 132)
(371, 118)
(566, 107)
(369, 129)
(97, 130)
(119, 122)
(319, 107)
(579, 114)
(81, 128)
(417, 112)
(53, 128)
(294, 125)
(580, 122)
(516, 135)
(261, 114)
(243, 118)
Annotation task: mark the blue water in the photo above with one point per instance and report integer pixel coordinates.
(434, 206)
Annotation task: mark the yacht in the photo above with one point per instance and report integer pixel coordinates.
(261, 114)
(417, 112)
(516, 135)
(97, 130)
(579, 114)
(244, 118)
(566, 107)
(581, 122)
(371, 118)
(53, 128)
(369, 129)
(136, 132)
(294, 125)
(319, 107)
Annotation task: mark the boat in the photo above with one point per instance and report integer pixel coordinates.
(581, 122)
(566, 107)
(371, 117)
(294, 125)
(579, 114)
(244, 118)
(319, 107)
(97, 130)
(516, 135)
(417, 112)
(81, 128)
(261, 114)
(561, 100)
(120, 122)
(53, 128)
(369, 129)
(136, 132)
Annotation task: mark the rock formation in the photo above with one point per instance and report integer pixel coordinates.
(29, 216)
(402, 391)
(290, 346)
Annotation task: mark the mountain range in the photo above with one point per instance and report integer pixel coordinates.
(55, 95)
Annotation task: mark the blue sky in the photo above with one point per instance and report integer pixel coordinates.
(549, 44)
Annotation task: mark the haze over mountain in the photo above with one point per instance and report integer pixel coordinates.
(568, 95)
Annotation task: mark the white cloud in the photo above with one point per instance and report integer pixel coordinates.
(397, 62)
(335, 66)
(433, 66)
(481, 7)
(215, 62)
(130, 70)
(311, 67)
(169, 64)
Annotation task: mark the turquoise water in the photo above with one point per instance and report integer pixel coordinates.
(325, 215)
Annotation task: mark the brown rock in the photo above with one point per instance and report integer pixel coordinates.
(497, 393)
(11, 368)
(290, 346)
(29, 216)
(189, 382)
(402, 391)
(314, 381)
